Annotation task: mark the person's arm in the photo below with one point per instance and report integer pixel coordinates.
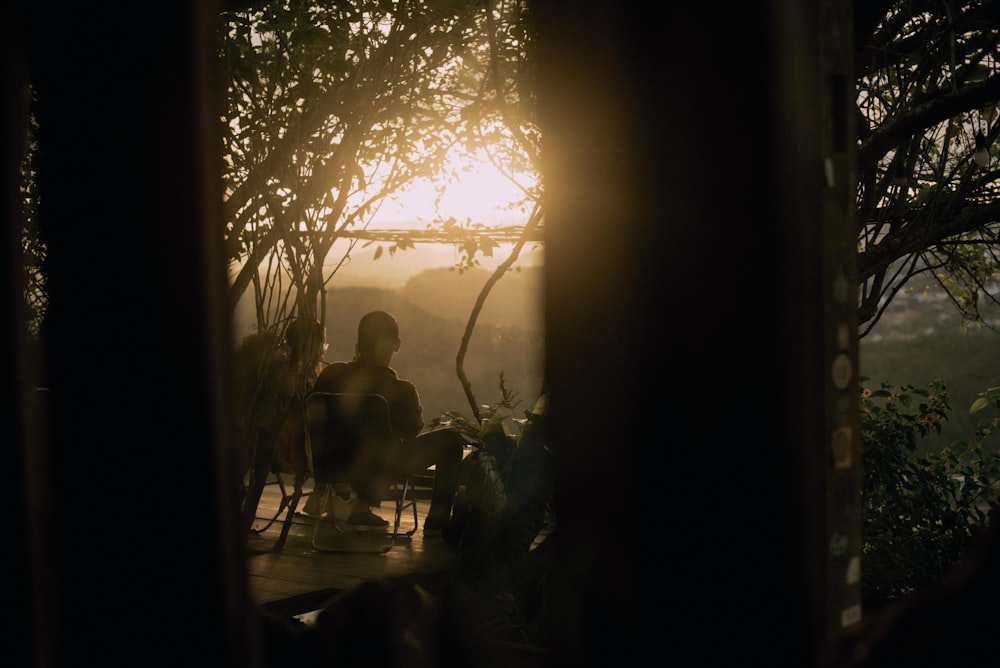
(407, 414)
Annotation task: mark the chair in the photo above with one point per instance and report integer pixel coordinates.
(291, 495)
(343, 431)
(268, 454)
(275, 461)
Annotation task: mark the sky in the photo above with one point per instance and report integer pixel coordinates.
(482, 195)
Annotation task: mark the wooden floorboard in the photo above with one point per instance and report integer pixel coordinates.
(292, 576)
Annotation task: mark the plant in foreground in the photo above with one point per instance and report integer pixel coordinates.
(920, 511)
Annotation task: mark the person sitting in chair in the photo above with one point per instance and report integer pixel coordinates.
(413, 448)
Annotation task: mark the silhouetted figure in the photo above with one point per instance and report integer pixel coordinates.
(261, 393)
(305, 345)
(413, 448)
(273, 376)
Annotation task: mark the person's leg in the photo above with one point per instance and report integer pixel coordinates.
(314, 502)
(369, 479)
(442, 448)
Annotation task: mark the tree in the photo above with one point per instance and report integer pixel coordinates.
(332, 107)
(928, 84)
(502, 121)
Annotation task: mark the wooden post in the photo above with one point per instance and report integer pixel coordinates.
(701, 351)
(142, 562)
(842, 447)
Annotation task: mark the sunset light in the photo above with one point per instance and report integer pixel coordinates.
(479, 194)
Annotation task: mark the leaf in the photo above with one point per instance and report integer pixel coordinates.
(978, 405)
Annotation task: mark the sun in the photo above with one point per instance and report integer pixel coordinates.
(479, 193)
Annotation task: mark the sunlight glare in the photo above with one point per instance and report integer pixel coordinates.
(481, 194)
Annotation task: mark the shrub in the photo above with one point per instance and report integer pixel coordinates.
(920, 512)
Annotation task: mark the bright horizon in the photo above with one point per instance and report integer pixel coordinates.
(395, 270)
(481, 195)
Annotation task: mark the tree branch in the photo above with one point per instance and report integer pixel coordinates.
(915, 120)
(533, 221)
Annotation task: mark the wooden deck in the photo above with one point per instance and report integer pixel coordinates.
(298, 577)
(299, 580)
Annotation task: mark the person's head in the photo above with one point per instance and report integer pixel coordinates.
(305, 340)
(378, 338)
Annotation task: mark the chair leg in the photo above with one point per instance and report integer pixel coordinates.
(416, 522)
(319, 515)
(293, 503)
(282, 504)
(400, 505)
(402, 501)
(259, 469)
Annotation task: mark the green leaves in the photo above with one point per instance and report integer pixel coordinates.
(989, 396)
(333, 107)
(921, 511)
(978, 405)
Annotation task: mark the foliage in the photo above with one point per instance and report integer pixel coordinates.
(263, 391)
(503, 504)
(920, 513)
(501, 119)
(508, 479)
(924, 346)
(989, 396)
(492, 432)
(327, 102)
(332, 108)
(928, 84)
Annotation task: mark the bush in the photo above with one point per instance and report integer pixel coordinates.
(920, 512)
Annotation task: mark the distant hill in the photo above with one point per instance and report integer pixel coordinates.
(515, 300)
(432, 310)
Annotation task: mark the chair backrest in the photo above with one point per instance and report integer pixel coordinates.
(339, 426)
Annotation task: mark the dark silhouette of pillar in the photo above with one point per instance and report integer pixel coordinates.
(688, 328)
(133, 554)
